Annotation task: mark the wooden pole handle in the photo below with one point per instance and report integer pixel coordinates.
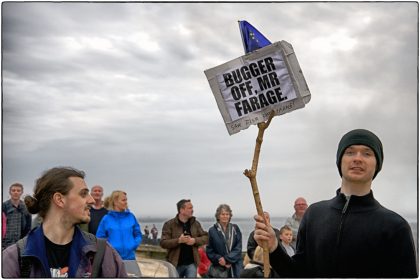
(252, 174)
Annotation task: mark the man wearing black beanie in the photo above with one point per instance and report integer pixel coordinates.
(350, 235)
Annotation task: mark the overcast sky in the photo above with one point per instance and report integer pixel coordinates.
(118, 90)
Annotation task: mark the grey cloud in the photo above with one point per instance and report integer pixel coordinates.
(118, 90)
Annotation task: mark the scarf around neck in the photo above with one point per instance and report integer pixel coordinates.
(227, 235)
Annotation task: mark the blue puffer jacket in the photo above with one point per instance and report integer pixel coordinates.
(123, 232)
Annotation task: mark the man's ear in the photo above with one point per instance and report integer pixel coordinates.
(58, 199)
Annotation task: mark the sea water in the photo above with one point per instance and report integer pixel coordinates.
(246, 225)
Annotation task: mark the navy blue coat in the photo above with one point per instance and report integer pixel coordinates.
(216, 249)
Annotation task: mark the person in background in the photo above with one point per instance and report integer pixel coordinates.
(3, 224)
(154, 231)
(182, 236)
(286, 237)
(255, 267)
(204, 264)
(18, 219)
(120, 227)
(351, 235)
(293, 222)
(97, 211)
(58, 248)
(252, 244)
(225, 242)
(146, 232)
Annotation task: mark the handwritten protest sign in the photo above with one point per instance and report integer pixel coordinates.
(248, 88)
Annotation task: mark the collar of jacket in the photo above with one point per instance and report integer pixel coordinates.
(10, 207)
(190, 220)
(114, 213)
(356, 204)
(35, 247)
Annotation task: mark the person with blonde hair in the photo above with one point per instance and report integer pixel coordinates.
(286, 237)
(120, 226)
(255, 267)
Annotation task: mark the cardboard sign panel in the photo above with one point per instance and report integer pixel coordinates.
(248, 88)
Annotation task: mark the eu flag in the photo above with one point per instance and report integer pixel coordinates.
(252, 38)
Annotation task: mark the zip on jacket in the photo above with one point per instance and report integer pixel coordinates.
(340, 231)
(343, 216)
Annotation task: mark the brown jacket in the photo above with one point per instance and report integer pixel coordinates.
(172, 230)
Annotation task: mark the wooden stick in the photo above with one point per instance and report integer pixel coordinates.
(252, 174)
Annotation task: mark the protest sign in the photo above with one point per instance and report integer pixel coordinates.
(248, 88)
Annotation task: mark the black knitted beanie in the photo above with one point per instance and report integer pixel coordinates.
(361, 137)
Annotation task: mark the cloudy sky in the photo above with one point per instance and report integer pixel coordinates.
(118, 90)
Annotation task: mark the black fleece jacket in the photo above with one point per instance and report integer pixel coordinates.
(355, 238)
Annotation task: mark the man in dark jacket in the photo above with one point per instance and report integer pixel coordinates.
(252, 244)
(351, 235)
(18, 219)
(182, 236)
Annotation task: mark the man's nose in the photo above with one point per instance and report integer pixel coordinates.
(358, 156)
(90, 199)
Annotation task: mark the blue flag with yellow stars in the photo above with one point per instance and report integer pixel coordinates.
(252, 38)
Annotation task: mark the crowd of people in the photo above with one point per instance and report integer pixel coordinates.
(77, 233)
(151, 236)
(192, 250)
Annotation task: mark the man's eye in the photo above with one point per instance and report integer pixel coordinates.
(84, 193)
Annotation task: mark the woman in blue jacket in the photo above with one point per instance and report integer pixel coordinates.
(120, 226)
(225, 243)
